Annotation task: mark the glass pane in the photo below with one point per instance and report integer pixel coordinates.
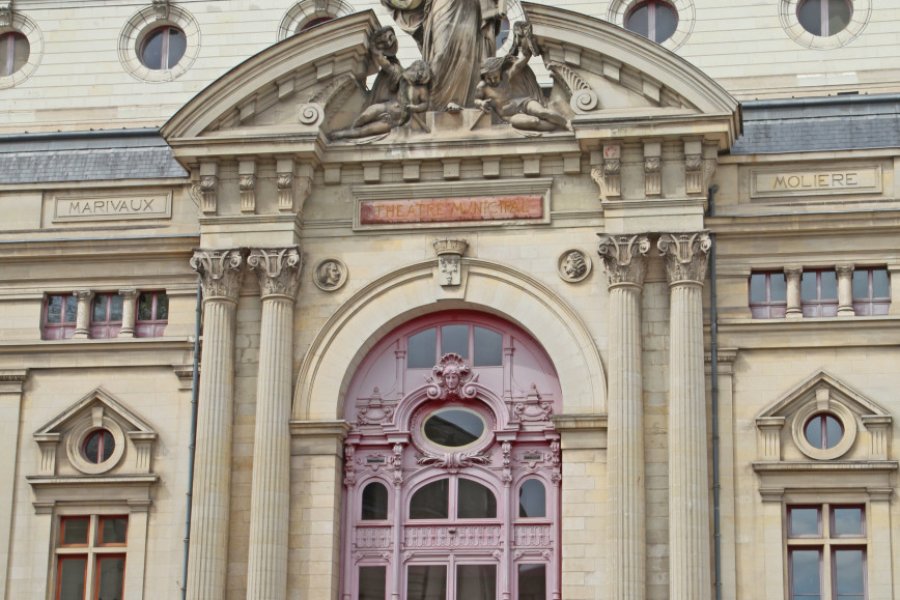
(839, 12)
(75, 530)
(100, 303)
(532, 499)
(455, 338)
(829, 285)
(475, 501)
(808, 286)
(21, 51)
(638, 20)
(177, 44)
(108, 445)
(92, 447)
(778, 287)
(71, 578)
(426, 582)
(666, 22)
(71, 308)
(54, 309)
(454, 427)
(532, 582)
(111, 577)
(809, 13)
(881, 287)
(115, 310)
(488, 348)
(861, 284)
(162, 306)
(375, 502)
(758, 288)
(420, 349)
(847, 521)
(804, 522)
(151, 54)
(476, 582)
(145, 307)
(805, 580)
(813, 432)
(431, 501)
(372, 583)
(113, 530)
(848, 572)
(833, 431)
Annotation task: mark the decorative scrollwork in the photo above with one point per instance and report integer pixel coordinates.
(278, 270)
(583, 97)
(452, 380)
(220, 272)
(310, 114)
(455, 460)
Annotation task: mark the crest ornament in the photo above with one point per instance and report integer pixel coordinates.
(574, 266)
(330, 274)
(452, 379)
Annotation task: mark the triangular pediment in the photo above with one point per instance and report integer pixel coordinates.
(83, 408)
(823, 388)
(304, 88)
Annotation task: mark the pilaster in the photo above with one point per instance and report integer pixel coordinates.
(220, 276)
(845, 290)
(792, 277)
(278, 271)
(685, 257)
(624, 258)
(129, 311)
(11, 387)
(83, 313)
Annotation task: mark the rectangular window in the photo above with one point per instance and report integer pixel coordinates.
(90, 559)
(871, 291)
(818, 293)
(768, 295)
(59, 316)
(106, 315)
(533, 582)
(826, 552)
(372, 583)
(152, 314)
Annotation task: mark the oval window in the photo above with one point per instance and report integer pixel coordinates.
(823, 431)
(374, 502)
(824, 18)
(98, 446)
(14, 52)
(431, 501)
(454, 427)
(654, 19)
(163, 48)
(532, 499)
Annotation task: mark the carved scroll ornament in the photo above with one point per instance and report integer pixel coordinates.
(277, 269)
(452, 379)
(624, 258)
(220, 273)
(686, 256)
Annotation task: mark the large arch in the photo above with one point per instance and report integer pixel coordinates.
(491, 287)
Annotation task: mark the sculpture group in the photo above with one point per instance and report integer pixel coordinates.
(458, 69)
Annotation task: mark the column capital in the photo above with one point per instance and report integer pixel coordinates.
(278, 270)
(624, 258)
(220, 272)
(685, 255)
(83, 294)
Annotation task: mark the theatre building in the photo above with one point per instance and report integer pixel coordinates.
(449, 300)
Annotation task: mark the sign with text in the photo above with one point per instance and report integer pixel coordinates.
(112, 207)
(470, 209)
(862, 180)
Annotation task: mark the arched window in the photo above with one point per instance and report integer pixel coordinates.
(455, 409)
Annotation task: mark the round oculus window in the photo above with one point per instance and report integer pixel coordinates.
(654, 19)
(824, 18)
(823, 431)
(98, 446)
(163, 47)
(14, 52)
(454, 427)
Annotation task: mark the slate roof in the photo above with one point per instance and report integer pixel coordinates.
(817, 124)
(86, 156)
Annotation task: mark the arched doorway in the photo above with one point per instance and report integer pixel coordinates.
(452, 466)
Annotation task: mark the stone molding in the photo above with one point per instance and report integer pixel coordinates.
(685, 255)
(220, 273)
(624, 258)
(278, 270)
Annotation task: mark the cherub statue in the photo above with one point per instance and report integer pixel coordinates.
(497, 91)
(397, 93)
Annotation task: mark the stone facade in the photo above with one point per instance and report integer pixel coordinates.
(669, 249)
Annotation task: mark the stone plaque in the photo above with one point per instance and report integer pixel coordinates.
(452, 210)
(156, 205)
(769, 184)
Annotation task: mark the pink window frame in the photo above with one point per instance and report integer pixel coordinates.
(105, 328)
(63, 329)
(153, 327)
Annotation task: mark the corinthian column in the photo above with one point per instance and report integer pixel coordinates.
(689, 537)
(624, 257)
(220, 275)
(278, 270)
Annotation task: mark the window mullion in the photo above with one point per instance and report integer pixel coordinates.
(164, 50)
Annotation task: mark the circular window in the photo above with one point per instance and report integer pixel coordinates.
(14, 52)
(98, 446)
(454, 427)
(823, 431)
(824, 18)
(163, 48)
(313, 22)
(654, 19)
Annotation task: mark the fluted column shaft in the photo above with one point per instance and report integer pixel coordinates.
(625, 263)
(220, 276)
(277, 270)
(689, 531)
